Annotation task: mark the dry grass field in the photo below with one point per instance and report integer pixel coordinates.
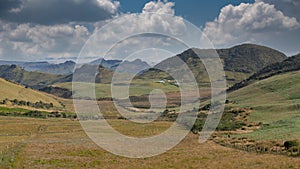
(61, 143)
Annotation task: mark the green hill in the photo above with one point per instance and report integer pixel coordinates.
(275, 102)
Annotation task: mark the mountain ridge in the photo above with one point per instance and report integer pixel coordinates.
(288, 65)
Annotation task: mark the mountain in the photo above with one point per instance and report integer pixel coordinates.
(122, 66)
(288, 65)
(44, 67)
(239, 62)
(131, 67)
(11, 91)
(91, 74)
(106, 63)
(4, 62)
(249, 58)
(101, 74)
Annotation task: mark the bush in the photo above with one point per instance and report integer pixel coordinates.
(198, 125)
(39, 104)
(290, 144)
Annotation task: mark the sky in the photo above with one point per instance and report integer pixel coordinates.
(56, 30)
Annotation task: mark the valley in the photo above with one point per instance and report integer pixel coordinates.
(40, 129)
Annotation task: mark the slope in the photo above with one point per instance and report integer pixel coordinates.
(13, 91)
(275, 102)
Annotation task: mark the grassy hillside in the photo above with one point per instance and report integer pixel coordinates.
(276, 103)
(13, 91)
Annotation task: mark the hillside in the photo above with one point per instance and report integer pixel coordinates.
(13, 91)
(275, 102)
(249, 58)
(290, 64)
(240, 62)
(32, 79)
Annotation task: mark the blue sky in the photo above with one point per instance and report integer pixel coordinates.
(196, 11)
(57, 30)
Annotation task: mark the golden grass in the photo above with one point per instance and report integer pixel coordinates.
(58, 143)
(14, 91)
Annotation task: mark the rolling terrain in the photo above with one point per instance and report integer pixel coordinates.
(265, 111)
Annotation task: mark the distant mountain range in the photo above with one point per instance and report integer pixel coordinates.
(44, 67)
(67, 67)
(241, 63)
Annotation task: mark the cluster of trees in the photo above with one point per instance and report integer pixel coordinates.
(61, 115)
(39, 105)
(228, 122)
(40, 114)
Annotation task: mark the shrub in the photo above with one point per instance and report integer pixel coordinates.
(290, 144)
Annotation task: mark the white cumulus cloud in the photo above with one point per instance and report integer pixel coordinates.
(160, 7)
(111, 6)
(248, 23)
(158, 16)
